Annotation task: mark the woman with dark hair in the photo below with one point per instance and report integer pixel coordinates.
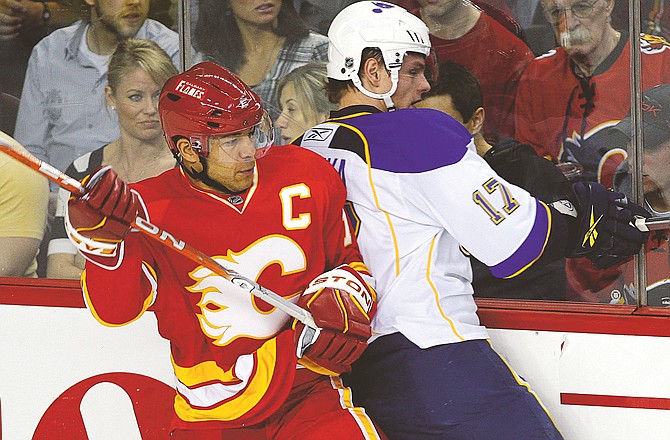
(259, 40)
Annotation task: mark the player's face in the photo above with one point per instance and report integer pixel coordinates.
(294, 120)
(231, 160)
(655, 169)
(579, 25)
(256, 12)
(136, 104)
(412, 82)
(121, 17)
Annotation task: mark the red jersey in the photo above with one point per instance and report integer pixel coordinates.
(233, 354)
(497, 58)
(561, 114)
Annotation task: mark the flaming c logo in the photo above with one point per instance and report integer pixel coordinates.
(653, 44)
(227, 312)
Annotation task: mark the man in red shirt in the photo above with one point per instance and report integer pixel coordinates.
(616, 285)
(462, 33)
(568, 95)
(273, 215)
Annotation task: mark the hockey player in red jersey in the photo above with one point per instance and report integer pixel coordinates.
(273, 215)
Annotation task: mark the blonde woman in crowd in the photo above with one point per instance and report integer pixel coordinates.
(302, 100)
(137, 71)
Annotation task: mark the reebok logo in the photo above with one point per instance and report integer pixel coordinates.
(591, 235)
(650, 108)
(318, 134)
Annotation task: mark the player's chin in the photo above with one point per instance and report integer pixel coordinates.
(244, 179)
(414, 103)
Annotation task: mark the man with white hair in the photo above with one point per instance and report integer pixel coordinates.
(566, 96)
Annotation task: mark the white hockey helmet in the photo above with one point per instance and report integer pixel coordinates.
(374, 24)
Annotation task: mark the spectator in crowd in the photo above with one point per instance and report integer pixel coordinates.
(259, 42)
(654, 17)
(318, 14)
(302, 100)
(137, 71)
(523, 10)
(457, 92)
(462, 33)
(616, 285)
(33, 19)
(23, 211)
(61, 114)
(568, 95)
(22, 25)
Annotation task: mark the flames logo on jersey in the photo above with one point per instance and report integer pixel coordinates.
(227, 312)
(594, 152)
(652, 44)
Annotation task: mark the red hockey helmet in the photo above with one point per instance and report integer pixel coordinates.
(209, 101)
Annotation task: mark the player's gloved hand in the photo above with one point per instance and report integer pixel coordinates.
(100, 219)
(606, 234)
(342, 304)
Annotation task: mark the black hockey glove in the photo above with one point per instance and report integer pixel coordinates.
(606, 234)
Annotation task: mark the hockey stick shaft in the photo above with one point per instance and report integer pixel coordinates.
(155, 233)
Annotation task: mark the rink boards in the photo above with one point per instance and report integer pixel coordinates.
(601, 371)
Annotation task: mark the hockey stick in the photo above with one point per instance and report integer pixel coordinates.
(653, 223)
(154, 232)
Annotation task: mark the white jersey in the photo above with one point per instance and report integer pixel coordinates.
(421, 200)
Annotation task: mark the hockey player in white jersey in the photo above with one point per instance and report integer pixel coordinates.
(421, 199)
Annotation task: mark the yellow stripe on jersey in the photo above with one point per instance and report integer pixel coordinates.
(207, 371)
(525, 384)
(349, 116)
(232, 402)
(362, 269)
(362, 419)
(374, 192)
(436, 293)
(544, 245)
(148, 301)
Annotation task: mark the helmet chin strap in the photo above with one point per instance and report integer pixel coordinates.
(386, 97)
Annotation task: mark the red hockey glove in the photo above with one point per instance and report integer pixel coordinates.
(342, 305)
(606, 234)
(100, 219)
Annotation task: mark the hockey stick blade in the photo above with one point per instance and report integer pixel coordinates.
(653, 223)
(154, 232)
